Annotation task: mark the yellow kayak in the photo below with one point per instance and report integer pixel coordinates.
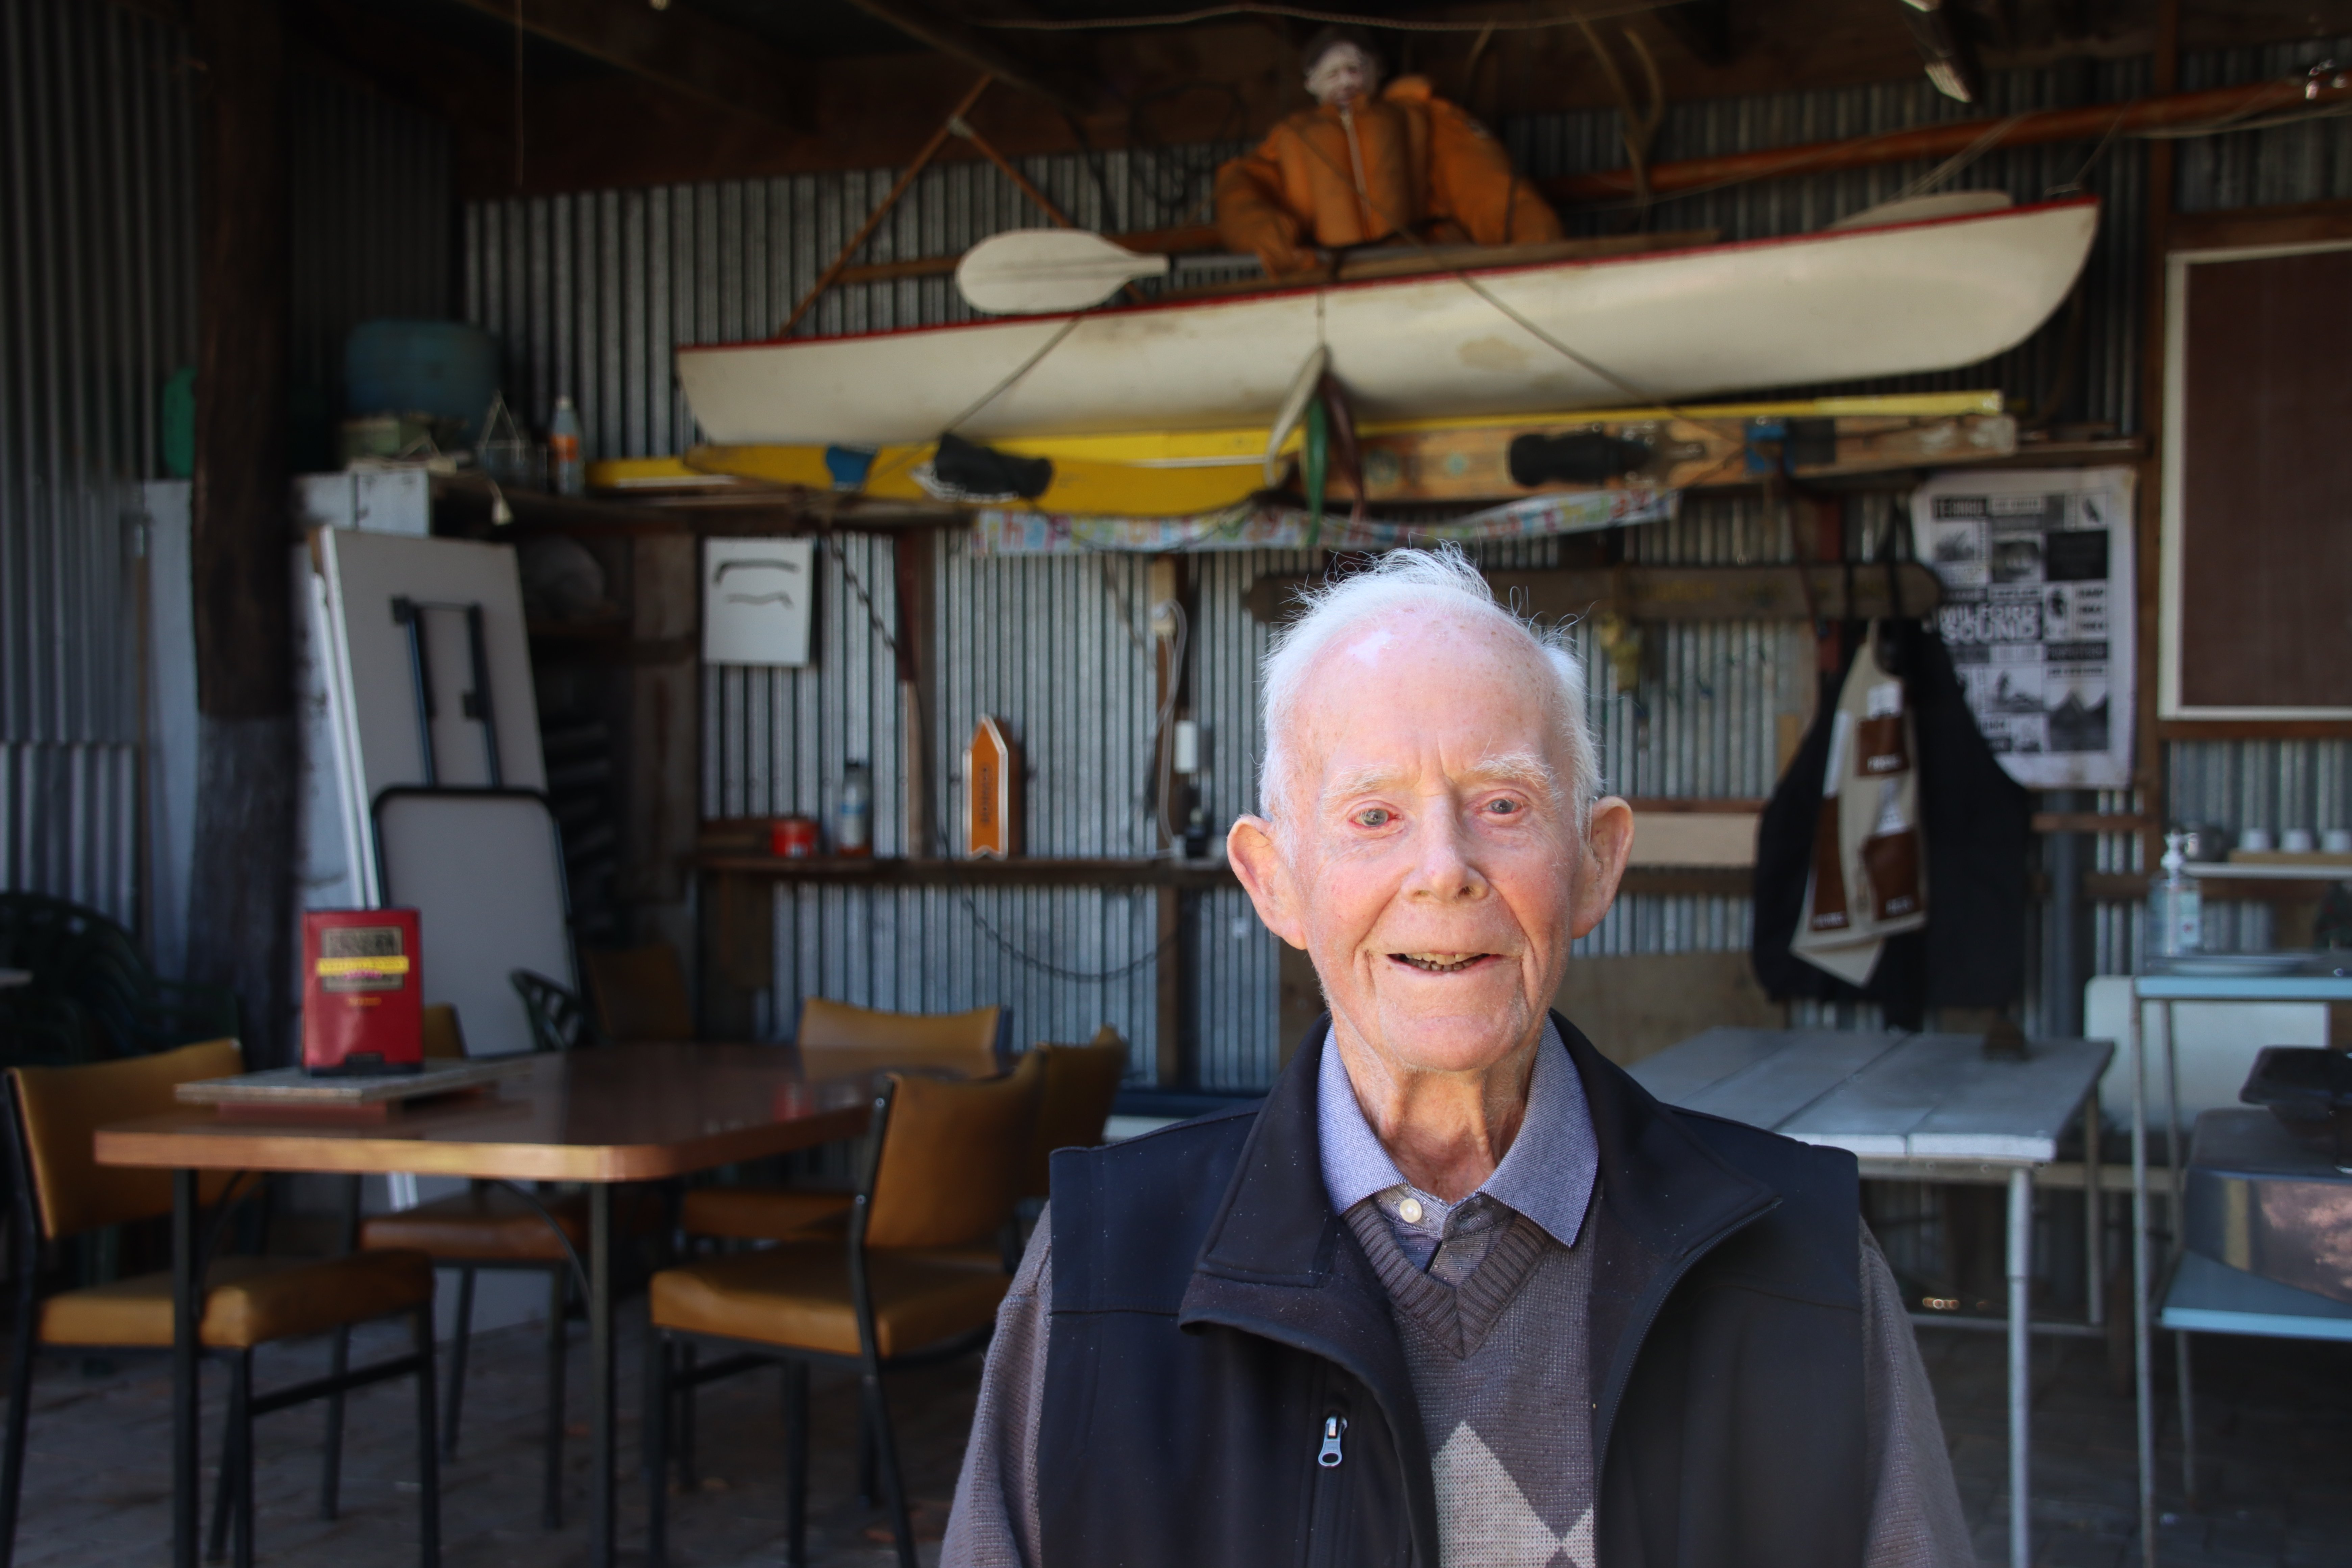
(1183, 472)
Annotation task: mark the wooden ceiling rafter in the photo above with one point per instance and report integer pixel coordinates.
(679, 48)
(983, 50)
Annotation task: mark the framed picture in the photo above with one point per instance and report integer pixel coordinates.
(758, 595)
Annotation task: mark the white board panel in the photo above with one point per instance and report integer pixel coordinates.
(485, 873)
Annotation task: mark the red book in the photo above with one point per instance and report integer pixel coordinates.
(362, 993)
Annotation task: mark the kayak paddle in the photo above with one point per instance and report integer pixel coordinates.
(1033, 271)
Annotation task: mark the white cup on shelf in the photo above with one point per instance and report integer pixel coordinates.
(2297, 841)
(2255, 840)
(2336, 840)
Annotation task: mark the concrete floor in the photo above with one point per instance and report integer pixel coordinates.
(2274, 1422)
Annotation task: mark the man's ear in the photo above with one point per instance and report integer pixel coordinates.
(1608, 841)
(1258, 861)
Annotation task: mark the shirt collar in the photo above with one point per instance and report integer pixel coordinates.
(1548, 1174)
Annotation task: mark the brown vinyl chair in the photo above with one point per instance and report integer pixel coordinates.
(1081, 1082)
(944, 1174)
(639, 993)
(837, 1040)
(492, 1225)
(61, 1190)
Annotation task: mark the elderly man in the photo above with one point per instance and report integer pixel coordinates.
(1458, 1293)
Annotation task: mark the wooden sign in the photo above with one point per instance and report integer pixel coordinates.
(992, 800)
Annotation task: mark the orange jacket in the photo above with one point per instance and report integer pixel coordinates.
(1428, 167)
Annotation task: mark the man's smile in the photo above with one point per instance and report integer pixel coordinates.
(1444, 963)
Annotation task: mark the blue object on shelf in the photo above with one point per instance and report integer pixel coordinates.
(848, 466)
(446, 369)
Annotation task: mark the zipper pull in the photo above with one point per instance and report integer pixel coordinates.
(1329, 1455)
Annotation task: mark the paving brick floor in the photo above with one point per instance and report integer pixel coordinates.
(2274, 1422)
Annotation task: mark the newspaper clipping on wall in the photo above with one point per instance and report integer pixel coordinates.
(2039, 613)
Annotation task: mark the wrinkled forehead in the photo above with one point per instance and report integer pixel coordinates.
(1419, 688)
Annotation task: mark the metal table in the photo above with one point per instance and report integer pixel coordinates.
(624, 1113)
(2168, 989)
(1932, 1107)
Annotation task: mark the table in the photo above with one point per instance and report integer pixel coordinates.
(1914, 1106)
(2168, 989)
(624, 1113)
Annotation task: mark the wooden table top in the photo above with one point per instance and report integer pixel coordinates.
(1883, 1096)
(618, 1114)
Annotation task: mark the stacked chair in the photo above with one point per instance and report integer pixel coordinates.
(61, 1191)
(913, 1274)
(836, 1041)
(902, 1289)
(493, 1226)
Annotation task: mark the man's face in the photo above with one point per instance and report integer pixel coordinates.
(1429, 863)
(1342, 76)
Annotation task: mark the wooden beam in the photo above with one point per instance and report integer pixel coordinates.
(680, 49)
(240, 931)
(1946, 138)
(979, 49)
(1678, 593)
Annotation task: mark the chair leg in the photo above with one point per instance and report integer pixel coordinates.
(458, 1347)
(558, 1300)
(241, 1403)
(428, 1457)
(331, 1463)
(886, 1452)
(657, 1447)
(796, 1455)
(20, 1399)
(869, 1490)
(688, 1479)
(224, 1492)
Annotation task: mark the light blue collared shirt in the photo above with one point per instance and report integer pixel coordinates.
(1548, 1174)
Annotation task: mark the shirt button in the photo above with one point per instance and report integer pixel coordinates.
(1408, 1211)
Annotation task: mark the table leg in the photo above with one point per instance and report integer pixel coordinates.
(2020, 1384)
(2187, 1417)
(186, 1459)
(2094, 1215)
(2141, 1378)
(601, 1510)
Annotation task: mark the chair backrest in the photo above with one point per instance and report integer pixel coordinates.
(444, 1035)
(58, 1110)
(640, 993)
(837, 1040)
(558, 1019)
(1080, 1083)
(948, 1169)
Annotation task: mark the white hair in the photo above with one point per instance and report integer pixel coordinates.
(1439, 578)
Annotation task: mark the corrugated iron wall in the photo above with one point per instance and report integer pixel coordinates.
(98, 298)
(97, 308)
(592, 292)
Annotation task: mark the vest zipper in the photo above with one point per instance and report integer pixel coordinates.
(1329, 1456)
(1324, 1547)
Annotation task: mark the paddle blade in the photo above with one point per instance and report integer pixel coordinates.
(1032, 271)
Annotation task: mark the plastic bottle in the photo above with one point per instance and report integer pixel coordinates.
(853, 818)
(2176, 907)
(564, 460)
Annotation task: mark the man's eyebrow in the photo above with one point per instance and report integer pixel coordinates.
(1526, 769)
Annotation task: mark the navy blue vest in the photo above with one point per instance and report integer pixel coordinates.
(1212, 1315)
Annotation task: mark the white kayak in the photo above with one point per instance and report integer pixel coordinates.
(1661, 327)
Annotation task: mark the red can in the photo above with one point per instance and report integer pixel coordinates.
(792, 837)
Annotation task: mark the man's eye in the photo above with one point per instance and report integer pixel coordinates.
(1505, 807)
(1372, 816)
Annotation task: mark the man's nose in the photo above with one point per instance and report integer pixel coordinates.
(1443, 867)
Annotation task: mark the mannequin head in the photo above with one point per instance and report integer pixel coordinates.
(1341, 68)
